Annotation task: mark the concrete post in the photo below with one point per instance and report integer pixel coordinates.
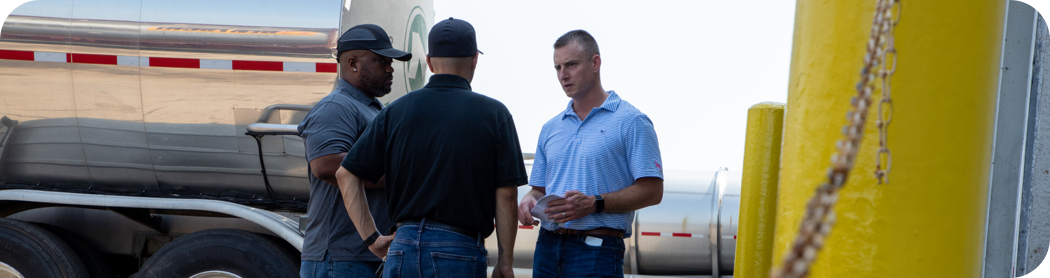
(758, 196)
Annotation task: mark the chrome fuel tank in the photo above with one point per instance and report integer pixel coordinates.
(693, 230)
(152, 97)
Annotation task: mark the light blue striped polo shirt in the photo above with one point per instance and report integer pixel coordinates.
(606, 152)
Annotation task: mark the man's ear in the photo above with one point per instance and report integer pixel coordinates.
(429, 65)
(346, 61)
(597, 63)
(350, 61)
(474, 62)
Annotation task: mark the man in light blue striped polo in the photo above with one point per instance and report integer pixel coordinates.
(601, 154)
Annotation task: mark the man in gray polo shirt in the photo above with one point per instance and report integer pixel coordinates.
(332, 245)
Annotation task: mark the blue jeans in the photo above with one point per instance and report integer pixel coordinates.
(570, 256)
(433, 252)
(330, 269)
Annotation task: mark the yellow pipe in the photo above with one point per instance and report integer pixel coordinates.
(758, 196)
(929, 220)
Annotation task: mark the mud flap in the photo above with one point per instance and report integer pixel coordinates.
(7, 127)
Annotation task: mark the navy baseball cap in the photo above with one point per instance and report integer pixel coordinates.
(453, 38)
(371, 37)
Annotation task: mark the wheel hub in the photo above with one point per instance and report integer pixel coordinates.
(6, 271)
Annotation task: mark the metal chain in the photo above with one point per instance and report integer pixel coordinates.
(889, 66)
(820, 214)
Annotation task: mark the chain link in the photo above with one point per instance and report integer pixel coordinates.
(889, 66)
(820, 214)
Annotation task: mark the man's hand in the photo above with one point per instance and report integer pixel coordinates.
(502, 270)
(576, 205)
(381, 245)
(527, 203)
(525, 211)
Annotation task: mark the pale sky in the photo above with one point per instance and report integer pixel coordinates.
(693, 66)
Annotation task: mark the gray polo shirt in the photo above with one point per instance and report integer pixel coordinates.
(332, 127)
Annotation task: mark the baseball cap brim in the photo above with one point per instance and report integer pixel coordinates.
(394, 54)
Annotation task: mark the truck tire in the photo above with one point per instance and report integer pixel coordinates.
(234, 253)
(34, 252)
(94, 261)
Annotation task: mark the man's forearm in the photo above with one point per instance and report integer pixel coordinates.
(324, 167)
(356, 205)
(536, 192)
(643, 193)
(506, 221)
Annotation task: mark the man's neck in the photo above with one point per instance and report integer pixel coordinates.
(468, 75)
(358, 87)
(583, 104)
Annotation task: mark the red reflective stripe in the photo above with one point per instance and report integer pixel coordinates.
(650, 234)
(734, 236)
(16, 55)
(258, 65)
(326, 67)
(174, 63)
(681, 235)
(94, 59)
(161, 62)
(525, 227)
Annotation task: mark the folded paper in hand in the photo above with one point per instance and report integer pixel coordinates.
(541, 205)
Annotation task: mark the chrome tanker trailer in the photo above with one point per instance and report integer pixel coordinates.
(158, 137)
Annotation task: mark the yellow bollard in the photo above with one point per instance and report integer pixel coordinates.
(758, 195)
(928, 221)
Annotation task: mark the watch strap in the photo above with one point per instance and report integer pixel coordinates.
(372, 238)
(599, 203)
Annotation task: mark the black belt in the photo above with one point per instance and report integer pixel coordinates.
(438, 225)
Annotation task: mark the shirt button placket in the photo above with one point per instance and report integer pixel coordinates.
(579, 137)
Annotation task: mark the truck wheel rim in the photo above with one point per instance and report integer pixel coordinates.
(213, 274)
(6, 271)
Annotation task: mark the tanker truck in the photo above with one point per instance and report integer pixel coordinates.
(154, 138)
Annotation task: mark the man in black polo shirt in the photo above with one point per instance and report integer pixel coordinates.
(452, 163)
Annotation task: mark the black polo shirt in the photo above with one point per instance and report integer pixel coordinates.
(444, 150)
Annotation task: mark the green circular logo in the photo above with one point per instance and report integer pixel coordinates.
(416, 43)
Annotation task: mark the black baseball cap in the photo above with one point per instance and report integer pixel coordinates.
(371, 37)
(453, 38)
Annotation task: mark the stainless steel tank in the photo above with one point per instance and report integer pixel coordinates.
(693, 230)
(151, 97)
(276, 41)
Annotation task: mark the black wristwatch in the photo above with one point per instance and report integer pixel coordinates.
(599, 203)
(372, 238)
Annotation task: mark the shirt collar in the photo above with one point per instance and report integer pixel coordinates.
(358, 95)
(448, 80)
(611, 103)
